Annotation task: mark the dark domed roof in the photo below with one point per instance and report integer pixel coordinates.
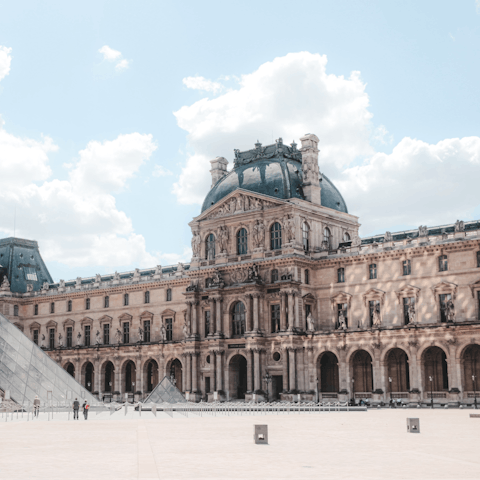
(276, 173)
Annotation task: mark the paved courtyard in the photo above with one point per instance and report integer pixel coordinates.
(336, 445)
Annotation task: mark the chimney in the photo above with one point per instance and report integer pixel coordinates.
(219, 169)
(311, 172)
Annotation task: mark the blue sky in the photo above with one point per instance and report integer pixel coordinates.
(104, 151)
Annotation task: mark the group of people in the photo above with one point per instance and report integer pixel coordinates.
(75, 406)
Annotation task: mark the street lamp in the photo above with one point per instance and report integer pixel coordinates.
(267, 378)
(474, 378)
(390, 382)
(431, 390)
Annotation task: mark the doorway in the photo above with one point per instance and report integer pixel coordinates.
(238, 376)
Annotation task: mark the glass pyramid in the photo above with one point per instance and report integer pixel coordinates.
(165, 392)
(26, 370)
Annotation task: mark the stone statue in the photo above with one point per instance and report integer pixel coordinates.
(79, 339)
(5, 284)
(253, 272)
(29, 287)
(444, 234)
(388, 237)
(258, 234)
(60, 344)
(136, 274)
(222, 238)
(459, 226)
(186, 330)
(43, 341)
(140, 334)
(45, 287)
(233, 204)
(61, 284)
(116, 276)
(422, 231)
(97, 338)
(210, 250)
(158, 270)
(196, 240)
(411, 313)
(342, 325)
(98, 278)
(450, 311)
(289, 228)
(163, 333)
(118, 336)
(356, 241)
(376, 320)
(180, 267)
(78, 281)
(310, 323)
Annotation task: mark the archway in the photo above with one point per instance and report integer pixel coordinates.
(397, 368)
(130, 376)
(175, 373)
(70, 368)
(362, 372)
(151, 371)
(328, 373)
(89, 376)
(109, 378)
(471, 367)
(435, 367)
(237, 370)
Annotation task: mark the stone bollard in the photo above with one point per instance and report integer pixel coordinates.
(260, 434)
(413, 425)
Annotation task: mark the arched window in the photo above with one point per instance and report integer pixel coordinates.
(276, 236)
(238, 319)
(87, 304)
(307, 277)
(242, 242)
(346, 237)
(147, 297)
(327, 238)
(69, 306)
(210, 247)
(274, 275)
(169, 294)
(125, 299)
(106, 302)
(305, 235)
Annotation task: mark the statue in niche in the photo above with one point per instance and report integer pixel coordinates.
(459, 226)
(98, 278)
(196, 240)
(79, 339)
(388, 237)
(422, 231)
(342, 324)
(60, 344)
(450, 311)
(376, 319)
(222, 239)
(98, 340)
(289, 227)
(163, 333)
(258, 234)
(310, 323)
(140, 334)
(118, 336)
(43, 341)
(411, 313)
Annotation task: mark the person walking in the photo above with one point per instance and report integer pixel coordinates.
(36, 406)
(85, 407)
(76, 407)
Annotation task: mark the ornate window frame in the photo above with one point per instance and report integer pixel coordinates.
(373, 294)
(443, 288)
(124, 317)
(340, 297)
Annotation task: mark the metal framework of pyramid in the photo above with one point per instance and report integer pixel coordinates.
(165, 392)
(26, 370)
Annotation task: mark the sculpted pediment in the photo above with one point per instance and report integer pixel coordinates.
(240, 201)
(408, 291)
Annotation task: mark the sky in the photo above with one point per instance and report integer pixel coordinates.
(110, 112)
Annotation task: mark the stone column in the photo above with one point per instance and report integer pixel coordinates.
(195, 328)
(194, 372)
(285, 369)
(139, 380)
(291, 316)
(292, 367)
(219, 370)
(213, 380)
(249, 370)
(378, 371)
(248, 320)
(415, 376)
(189, 314)
(118, 378)
(97, 375)
(188, 386)
(297, 314)
(212, 318)
(219, 316)
(283, 316)
(255, 311)
(310, 370)
(256, 366)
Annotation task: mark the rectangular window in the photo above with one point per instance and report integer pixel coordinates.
(408, 309)
(126, 332)
(146, 330)
(106, 333)
(307, 277)
(444, 298)
(308, 311)
(69, 337)
(478, 259)
(52, 337)
(106, 302)
(275, 317)
(35, 309)
(373, 306)
(35, 337)
(407, 268)
(87, 304)
(69, 306)
(373, 271)
(342, 315)
(87, 335)
(478, 301)
(207, 322)
(169, 326)
(15, 310)
(341, 275)
(169, 294)
(147, 297)
(52, 307)
(442, 263)
(125, 299)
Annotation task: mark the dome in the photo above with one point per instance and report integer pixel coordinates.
(270, 172)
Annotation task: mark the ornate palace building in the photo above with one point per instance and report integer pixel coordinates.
(279, 283)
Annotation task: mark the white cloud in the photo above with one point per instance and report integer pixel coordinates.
(159, 171)
(477, 6)
(201, 83)
(109, 53)
(174, 258)
(122, 65)
(5, 61)
(381, 136)
(288, 97)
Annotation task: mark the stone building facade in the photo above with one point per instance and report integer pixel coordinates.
(282, 298)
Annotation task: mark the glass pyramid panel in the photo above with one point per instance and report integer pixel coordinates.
(165, 392)
(26, 370)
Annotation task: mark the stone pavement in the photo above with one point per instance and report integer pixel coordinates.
(338, 445)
